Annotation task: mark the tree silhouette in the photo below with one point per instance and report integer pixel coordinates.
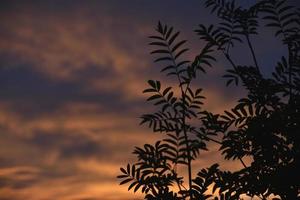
(262, 127)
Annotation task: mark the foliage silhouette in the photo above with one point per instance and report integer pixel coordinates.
(262, 127)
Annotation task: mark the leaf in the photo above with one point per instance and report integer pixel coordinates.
(180, 53)
(158, 85)
(128, 169)
(156, 37)
(158, 44)
(137, 187)
(123, 170)
(166, 90)
(168, 68)
(169, 32)
(149, 90)
(153, 97)
(229, 114)
(178, 45)
(152, 83)
(163, 59)
(126, 181)
(133, 170)
(160, 51)
(173, 38)
(132, 184)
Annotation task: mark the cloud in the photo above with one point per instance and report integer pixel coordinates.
(88, 179)
(81, 46)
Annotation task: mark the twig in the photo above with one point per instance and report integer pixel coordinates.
(252, 52)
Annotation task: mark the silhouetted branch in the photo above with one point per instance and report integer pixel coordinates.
(252, 52)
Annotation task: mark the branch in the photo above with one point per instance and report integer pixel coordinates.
(183, 120)
(218, 142)
(252, 52)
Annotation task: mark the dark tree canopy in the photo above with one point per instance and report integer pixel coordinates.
(263, 126)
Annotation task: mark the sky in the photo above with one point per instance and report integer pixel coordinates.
(71, 79)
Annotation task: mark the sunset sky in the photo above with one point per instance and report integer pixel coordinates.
(71, 79)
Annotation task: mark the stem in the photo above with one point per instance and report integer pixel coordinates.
(290, 70)
(187, 141)
(177, 181)
(230, 60)
(285, 36)
(252, 52)
(184, 125)
(245, 166)
(188, 152)
(187, 145)
(231, 34)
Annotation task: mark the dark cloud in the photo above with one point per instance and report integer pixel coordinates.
(21, 184)
(69, 145)
(4, 182)
(32, 94)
